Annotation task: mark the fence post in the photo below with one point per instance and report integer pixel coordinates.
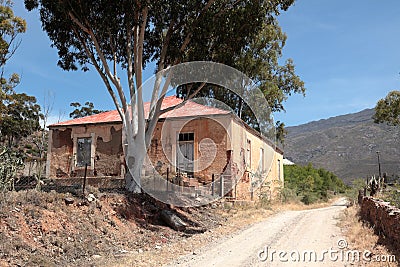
(212, 184)
(221, 185)
(167, 177)
(84, 179)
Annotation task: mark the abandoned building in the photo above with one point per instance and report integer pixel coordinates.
(195, 140)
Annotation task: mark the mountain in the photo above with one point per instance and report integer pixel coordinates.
(346, 145)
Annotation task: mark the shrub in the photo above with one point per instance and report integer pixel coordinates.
(10, 163)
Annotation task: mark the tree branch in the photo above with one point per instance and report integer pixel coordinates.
(101, 73)
(103, 60)
(184, 102)
(139, 69)
(189, 34)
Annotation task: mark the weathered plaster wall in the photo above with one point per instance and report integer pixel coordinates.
(109, 153)
(210, 146)
(271, 170)
(106, 150)
(61, 152)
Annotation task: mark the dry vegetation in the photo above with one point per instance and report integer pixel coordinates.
(360, 236)
(115, 229)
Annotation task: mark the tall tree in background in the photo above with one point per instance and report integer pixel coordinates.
(128, 34)
(83, 111)
(388, 109)
(260, 61)
(19, 113)
(10, 27)
(21, 118)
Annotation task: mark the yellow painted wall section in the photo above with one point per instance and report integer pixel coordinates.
(257, 157)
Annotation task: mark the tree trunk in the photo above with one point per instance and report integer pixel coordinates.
(172, 220)
(135, 153)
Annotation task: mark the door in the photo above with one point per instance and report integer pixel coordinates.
(185, 154)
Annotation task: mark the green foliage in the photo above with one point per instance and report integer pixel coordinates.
(10, 164)
(185, 30)
(259, 60)
(19, 117)
(288, 195)
(83, 111)
(19, 113)
(393, 195)
(311, 184)
(10, 27)
(388, 109)
(356, 185)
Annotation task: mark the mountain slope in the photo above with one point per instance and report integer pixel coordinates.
(346, 145)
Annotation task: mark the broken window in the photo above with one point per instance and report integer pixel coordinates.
(83, 152)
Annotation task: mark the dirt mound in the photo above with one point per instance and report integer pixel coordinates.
(64, 229)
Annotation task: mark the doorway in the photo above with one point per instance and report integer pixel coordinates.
(185, 153)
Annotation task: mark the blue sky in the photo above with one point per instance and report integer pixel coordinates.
(346, 51)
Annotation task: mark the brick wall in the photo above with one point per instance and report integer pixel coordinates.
(383, 217)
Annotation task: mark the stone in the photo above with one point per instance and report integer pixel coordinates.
(68, 201)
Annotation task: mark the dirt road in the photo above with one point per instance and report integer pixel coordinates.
(290, 238)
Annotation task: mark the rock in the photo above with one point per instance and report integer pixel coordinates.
(68, 201)
(91, 198)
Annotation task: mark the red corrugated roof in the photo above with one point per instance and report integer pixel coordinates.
(189, 109)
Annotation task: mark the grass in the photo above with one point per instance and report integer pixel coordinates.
(360, 236)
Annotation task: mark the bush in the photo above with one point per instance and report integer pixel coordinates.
(10, 163)
(309, 198)
(310, 184)
(288, 195)
(393, 196)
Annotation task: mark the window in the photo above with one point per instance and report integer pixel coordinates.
(248, 154)
(279, 169)
(261, 159)
(186, 137)
(83, 152)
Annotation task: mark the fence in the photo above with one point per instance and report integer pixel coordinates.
(170, 188)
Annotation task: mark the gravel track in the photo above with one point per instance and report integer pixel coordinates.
(289, 231)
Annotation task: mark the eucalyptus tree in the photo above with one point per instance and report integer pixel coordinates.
(388, 109)
(129, 34)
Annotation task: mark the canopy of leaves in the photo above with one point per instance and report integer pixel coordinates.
(10, 27)
(20, 117)
(216, 30)
(83, 111)
(387, 110)
(260, 61)
(311, 184)
(19, 113)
